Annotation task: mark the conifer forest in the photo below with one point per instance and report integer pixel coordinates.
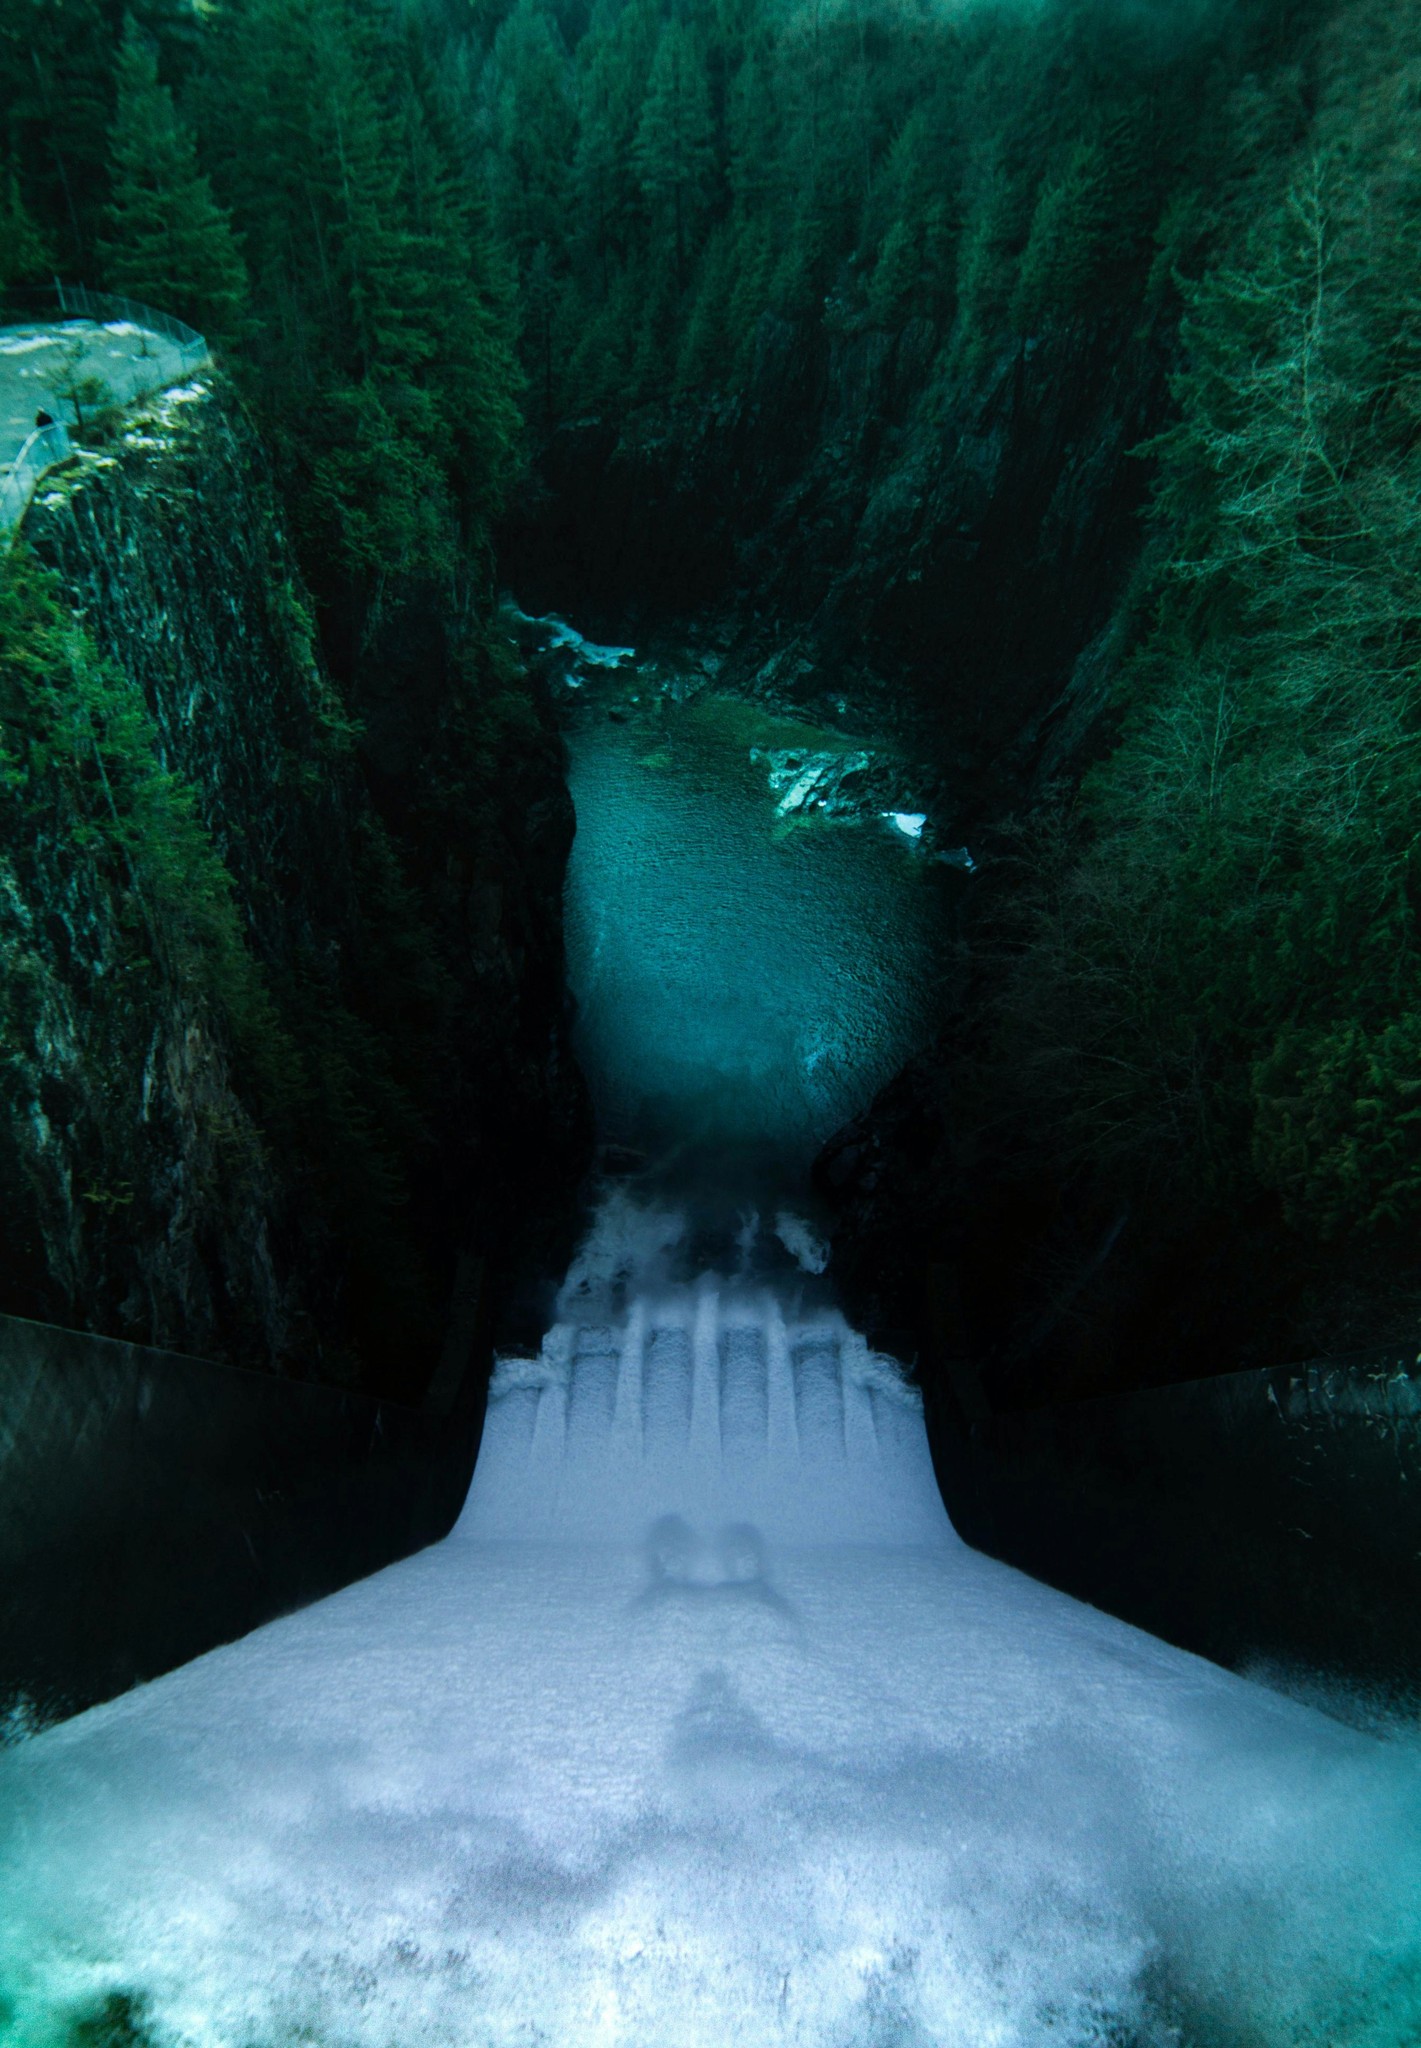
(710, 1023)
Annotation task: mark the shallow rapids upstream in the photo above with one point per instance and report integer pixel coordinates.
(703, 1729)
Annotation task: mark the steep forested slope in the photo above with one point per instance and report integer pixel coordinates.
(283, 824)
(1052, 365)
(1176, 1128)
(278, 1043)
(279, 174)
(841, 323)
(1046, 369)
(666, 176)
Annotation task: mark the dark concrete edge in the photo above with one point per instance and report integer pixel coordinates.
(1181, 1508)
(226, 1498)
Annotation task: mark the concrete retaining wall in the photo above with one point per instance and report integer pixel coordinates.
(1259, 1516)
(153, 1506)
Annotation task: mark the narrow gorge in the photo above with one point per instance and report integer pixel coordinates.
(709, 1163)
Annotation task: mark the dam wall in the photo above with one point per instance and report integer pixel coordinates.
(1270, 1520)
(153, 1506)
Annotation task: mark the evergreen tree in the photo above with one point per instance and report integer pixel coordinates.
(24, 255)
(1073, 232)
(169, 242)
(897, 275)
(756, 123)
(614, 63)
(987, 260)
(913, 221)
(56, 100)
(533, 130)
(384, 365)
(705, 345)
(675, 144)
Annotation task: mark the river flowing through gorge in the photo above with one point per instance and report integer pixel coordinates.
(703, 1727)
(756, 917)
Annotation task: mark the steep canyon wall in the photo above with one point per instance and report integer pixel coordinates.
(867, 522)
(284, 1031)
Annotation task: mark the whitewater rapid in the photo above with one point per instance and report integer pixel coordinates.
(702, 1729)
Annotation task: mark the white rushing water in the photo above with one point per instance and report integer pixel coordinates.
(704, 1729)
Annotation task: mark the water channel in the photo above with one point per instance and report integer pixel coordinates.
(751, 960)
(703, 1728)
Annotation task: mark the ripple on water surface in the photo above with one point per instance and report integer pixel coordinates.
(744, 977)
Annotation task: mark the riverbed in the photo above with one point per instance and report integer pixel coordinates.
(758, 927)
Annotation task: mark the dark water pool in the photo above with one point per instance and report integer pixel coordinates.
(751, 962)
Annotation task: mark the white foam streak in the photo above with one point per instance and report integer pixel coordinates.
(706, 1402)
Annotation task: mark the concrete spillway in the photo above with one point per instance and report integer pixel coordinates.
(712, 1405)
(704, 1728)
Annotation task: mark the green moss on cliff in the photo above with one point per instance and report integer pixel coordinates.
(81, 770)
(284, 1023)
(121, 931)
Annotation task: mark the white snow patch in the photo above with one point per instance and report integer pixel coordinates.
(909, 823)
(561, 634)
(589, 652)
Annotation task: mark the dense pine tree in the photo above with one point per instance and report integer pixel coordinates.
(24, 254)
(1220, 987)
(531, 128)
(675, 152)
(168, 241)
(384, 364)
(1070, 242)
(56, 103)
(614, 61)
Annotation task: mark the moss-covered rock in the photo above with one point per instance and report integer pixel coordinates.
(283, 1022)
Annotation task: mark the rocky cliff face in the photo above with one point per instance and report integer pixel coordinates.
(260, 1090)
(867, 522)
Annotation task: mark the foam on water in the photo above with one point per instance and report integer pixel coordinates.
(704, 1729)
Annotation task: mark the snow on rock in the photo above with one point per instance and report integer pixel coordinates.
(805, 781)
(557, 633)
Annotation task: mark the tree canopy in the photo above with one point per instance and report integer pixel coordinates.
(414, 225)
